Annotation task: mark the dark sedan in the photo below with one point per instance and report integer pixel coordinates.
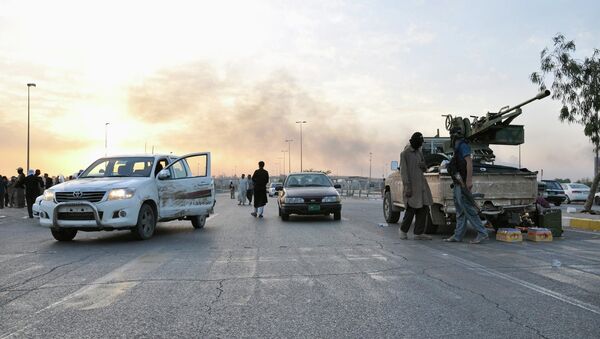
(555, 192)
(309, 193)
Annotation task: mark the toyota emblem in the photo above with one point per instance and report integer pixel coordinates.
(77, 194)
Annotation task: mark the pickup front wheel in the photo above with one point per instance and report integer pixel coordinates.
(388, 209)
(146, 223)
(198, 221)
(63, 234)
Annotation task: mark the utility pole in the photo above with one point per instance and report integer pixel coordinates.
(284, 151)
(106, 138)
(29, 85)
(301, 122)
(369, 181)
(289, 141)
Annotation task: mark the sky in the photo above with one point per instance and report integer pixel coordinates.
(233, 77)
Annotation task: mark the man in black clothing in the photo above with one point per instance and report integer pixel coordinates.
(49, 181)
(32, 190)
(19, 189)
(260, 178)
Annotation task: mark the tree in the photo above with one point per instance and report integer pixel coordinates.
(576, 84)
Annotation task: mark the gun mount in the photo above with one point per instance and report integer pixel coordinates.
(493, 128)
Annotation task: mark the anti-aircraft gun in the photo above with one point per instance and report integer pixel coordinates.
(493, 128)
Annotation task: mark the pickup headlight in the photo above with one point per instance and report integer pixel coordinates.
(121, 193)
(332, 198)
(48, 195)
(293, 200)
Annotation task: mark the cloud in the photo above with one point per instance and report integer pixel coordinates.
(245, 121)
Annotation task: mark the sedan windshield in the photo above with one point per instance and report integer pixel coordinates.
(120, 167)
(308, 180)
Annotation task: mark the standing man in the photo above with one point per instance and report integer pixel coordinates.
(260, 178)
(231, 190)
(48, 181)
(461, 170)
(3, 187)
(20, 188)
(242, 188)
(32, 190)
(417, 195)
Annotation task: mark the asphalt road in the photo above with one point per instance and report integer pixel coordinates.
(309, 277)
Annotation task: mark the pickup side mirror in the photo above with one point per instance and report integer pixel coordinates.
(338, 186)
(164, 174)
(278, 188)
(394, 165)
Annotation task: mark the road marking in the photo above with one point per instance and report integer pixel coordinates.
(345, 219)
(105, 290)
(526, 284)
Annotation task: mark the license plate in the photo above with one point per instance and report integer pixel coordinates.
(314, 208)
(74, 209)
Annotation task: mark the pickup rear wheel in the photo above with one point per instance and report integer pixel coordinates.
(198, 221)
(63, 234)
(146, 223)
(388, 211)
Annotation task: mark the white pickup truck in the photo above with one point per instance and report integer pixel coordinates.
(131, 193)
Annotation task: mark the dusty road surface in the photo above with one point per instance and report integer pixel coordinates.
(309, 277)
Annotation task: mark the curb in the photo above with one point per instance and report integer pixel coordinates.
(586, 224)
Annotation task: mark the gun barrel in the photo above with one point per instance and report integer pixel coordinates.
(538, 96)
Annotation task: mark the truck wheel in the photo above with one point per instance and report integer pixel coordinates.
(337, 215)
(285, 216)
(146, 223)
(63, 234)
(596, 200)
(388, 212)
(198, 221)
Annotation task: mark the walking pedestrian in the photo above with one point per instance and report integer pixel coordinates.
(242, 188)
(20, 189)
(250, 190)
(260, 178)
(461, 170)
(417, 195)
(32, 190)
(232, 190)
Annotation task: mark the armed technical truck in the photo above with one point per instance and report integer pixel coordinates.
(504, 194)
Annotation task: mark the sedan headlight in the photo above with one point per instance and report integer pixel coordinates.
(332, 198)
(48, 195)
(121, 193)
(293, 200)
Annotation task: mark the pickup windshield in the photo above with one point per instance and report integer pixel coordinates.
(308, 180)
(120, 167)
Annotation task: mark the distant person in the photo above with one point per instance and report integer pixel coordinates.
(48, 182)
(232, 190)
(462, 164)
(12, 193)
(242, 188)
(32, 191)
(417, 195)
(20, 189)
(6, 196)
(38, 175)
(3, 188)
(250, 190)
(260, 178)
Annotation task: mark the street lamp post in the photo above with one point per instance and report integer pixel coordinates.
(289, 141)
(29, 85)
(106, 139)
(369, 181)
(301, 122)
(284, 151)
